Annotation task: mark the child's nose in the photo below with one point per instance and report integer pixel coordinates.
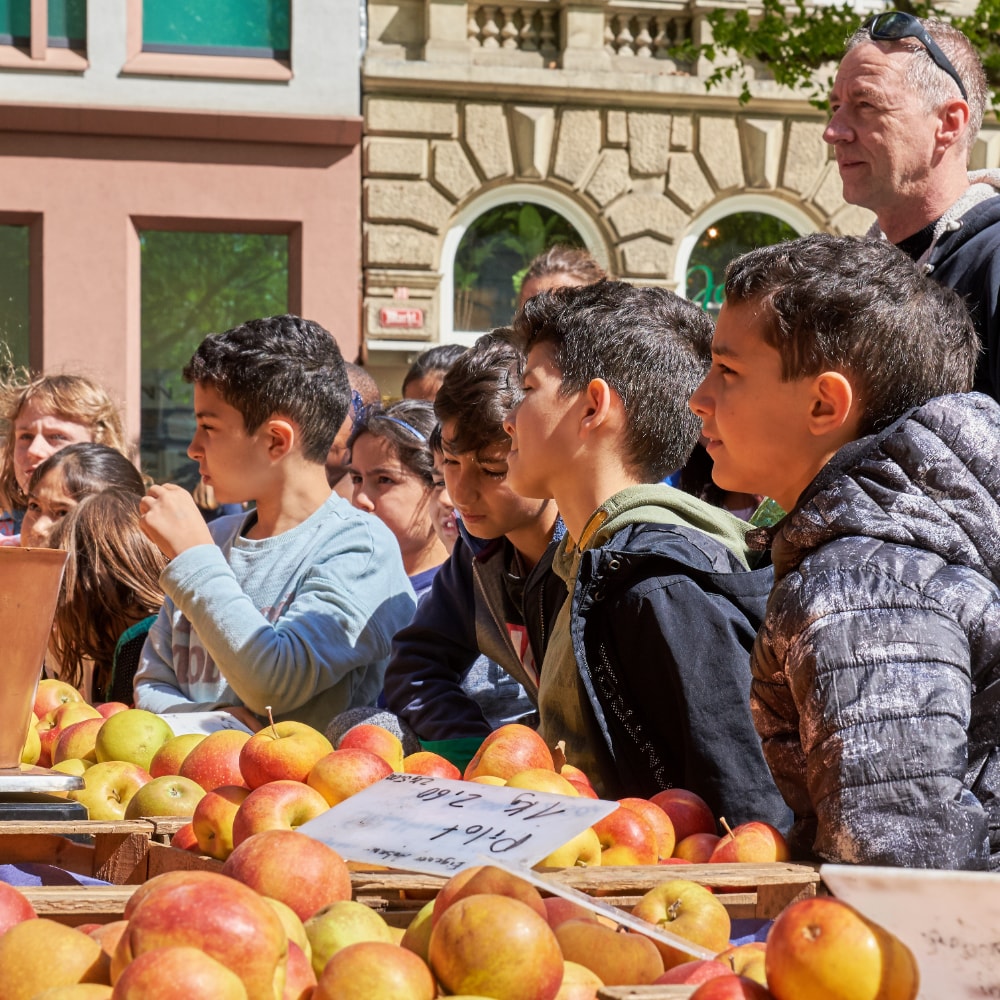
(362, 501)
(699, 401)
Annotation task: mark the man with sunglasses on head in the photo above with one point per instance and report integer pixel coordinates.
(906, 107)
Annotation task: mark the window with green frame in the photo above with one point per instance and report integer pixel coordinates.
(67, 23)
(722, 241)
(194, 284)
(15, 311)
(255, 28)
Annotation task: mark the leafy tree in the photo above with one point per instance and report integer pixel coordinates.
(799, 44)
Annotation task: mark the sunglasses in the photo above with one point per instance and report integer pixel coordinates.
(895, 24)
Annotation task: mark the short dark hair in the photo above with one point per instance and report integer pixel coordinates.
(479, 391)
(863, 308)
(439, 358)
(278, 365)
(649, 345)
(407, 425)
(575, 262)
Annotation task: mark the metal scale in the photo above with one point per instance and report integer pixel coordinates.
(29, 591)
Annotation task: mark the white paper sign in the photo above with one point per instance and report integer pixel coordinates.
(438, 827)
(202, 722)
(949, 920)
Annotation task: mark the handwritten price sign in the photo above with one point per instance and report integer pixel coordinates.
(439, 827)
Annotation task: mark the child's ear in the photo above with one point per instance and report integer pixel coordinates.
(832, 404)
(280, 435)
(598, 402)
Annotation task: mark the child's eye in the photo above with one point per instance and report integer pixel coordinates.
(33, 507)
(386, 481)
(438, 483)
(498, 474)
(355, 478)
(724, 369)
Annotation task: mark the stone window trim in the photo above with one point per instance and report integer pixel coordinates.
(139, 63)
(596, 241)
(39, 55)
(759, 203)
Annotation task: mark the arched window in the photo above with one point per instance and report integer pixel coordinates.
(495, 253)
(729, 230)
(489, 247)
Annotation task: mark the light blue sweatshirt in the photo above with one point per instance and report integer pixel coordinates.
(302, 621)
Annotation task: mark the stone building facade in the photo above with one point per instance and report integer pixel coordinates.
(574, 105)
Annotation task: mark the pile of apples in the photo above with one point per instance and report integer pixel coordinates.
(278, 923)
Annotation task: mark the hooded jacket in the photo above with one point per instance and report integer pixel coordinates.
(478, 604)
(876, 675)
(964, 254)
(654, 689)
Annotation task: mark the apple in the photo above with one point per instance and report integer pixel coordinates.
(732, 987)
(507, 750)
(215, 760)
(696, 848)
(487, 779)
(300, 980)
(32, 748)
(72, 711)
(170, 795)
(431, 764)
(71, 766)
(574, 774)
(823, 947)
(379, 741)
(178, 973)
(497, 946)
(77, 991)
(213, 819)
(581, 851)
(340, 924)
(486, 879)
(375, 970)
(301, 872)
(626, 839)
(14, 907)
(169, 758)
(40, 954)
(133, 735)
(184, 839)
(52, 693)
(109, 708)
(282, 751)
(688, 812)
(746, 960)
(340, 774)
(699, 970)
(77, 741)
(750, 842)
(225, 919)
(558, 910)
(541, 779)
(295, 930)
(688, 910)
(163, 884)
(107, 936)
(108, 787)
(658, 820)
(47, 736)
(277, 805)
(417, 936)
(618, 958)
(578, 983)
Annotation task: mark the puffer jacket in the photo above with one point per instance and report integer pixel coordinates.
(876, 674)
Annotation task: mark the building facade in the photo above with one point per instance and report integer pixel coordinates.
(169, 168)
(576, 107)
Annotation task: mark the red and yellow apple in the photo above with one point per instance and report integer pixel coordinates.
(754, 842)
(541, 779)
(658, 820)
(301, 872)
(277, 805)
(688, 812)
(626, 838)
(732, 987)
(431, 764)
(109, 708)
(688, 910)
(341, 924)
(52, 693)
(365, 736)
(169, 758)
(181, 972)
(507, 750)
(746, 960)
(618, 958)
(213, 818)
(578, 983)
(342, 773)
(215, 760)
(14, 907)
(696, 848)
(581, 851)
(77, 741)
(487, 879)
(108, 788)
(697, 970)
(497, 946)
(282, 751)
(375, 970)
(40, 954)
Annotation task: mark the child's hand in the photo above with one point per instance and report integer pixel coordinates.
(169, 517)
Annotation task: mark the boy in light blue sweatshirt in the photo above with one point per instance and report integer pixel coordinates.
(294, 604)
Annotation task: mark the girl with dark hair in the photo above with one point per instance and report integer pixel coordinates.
(392, 472)
(85, 499)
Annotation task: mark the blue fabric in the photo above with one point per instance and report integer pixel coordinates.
(30, 874)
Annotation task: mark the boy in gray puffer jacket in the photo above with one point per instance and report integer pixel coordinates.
(839, 387)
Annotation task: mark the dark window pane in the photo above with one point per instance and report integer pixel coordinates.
(720, 243)
(14, 305)
(493, 255)
(67, 23)
(15, 22)
(223, 27)
(194, 284)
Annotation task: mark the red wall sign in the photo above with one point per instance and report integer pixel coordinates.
(409, 319)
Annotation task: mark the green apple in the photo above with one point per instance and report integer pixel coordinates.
(134, 736)
(340, 924)
(108, 787)
(170, 795)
